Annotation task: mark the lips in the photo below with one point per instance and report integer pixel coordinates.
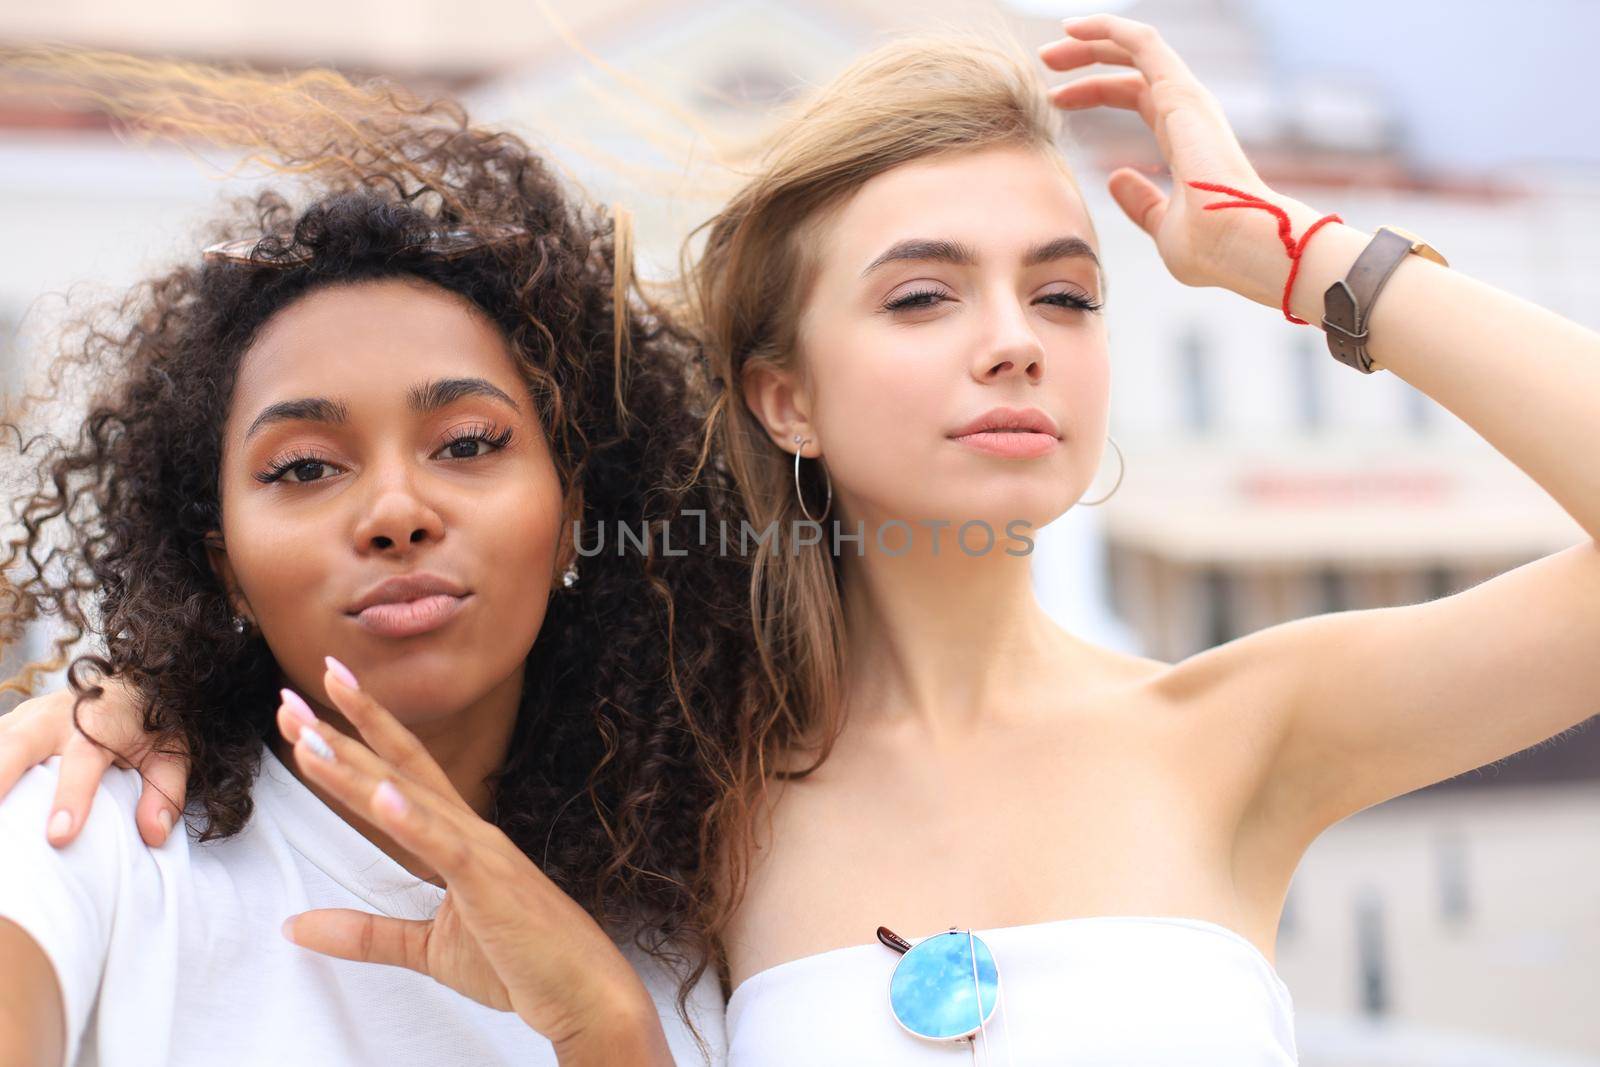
(408, 605)
(1014, 433)
(1010, 420)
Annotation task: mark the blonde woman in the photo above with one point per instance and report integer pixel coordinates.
(908, 298)
(942, 786)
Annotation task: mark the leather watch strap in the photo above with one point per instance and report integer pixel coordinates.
(1347, 303)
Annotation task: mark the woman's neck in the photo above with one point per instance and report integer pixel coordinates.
(469, 746)
(940, 645)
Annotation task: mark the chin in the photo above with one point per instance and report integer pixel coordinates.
(425, 685)
(1032, 501)
(414, 698)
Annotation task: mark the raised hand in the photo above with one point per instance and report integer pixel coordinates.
(504, 934)
(1191, 131)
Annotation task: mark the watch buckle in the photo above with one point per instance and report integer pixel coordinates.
(1353, 339)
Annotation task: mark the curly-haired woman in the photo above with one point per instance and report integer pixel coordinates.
(348, 443)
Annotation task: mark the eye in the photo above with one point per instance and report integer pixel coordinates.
(915, 300)
(1070, 299)
(467, 442)
(306, 468)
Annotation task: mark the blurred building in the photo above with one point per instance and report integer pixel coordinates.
(1264, 481)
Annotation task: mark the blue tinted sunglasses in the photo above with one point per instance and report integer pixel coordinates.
(945, 987)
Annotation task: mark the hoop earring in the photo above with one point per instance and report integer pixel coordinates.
(799, 443)
(1121, 467)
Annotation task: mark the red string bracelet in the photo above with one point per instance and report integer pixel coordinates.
(1290, 245)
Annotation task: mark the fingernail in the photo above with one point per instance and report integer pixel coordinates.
(60, 823)
(387, 797)
(297, 706)
(164, 817)
(288, 928)
(316, 744)
(341, 672)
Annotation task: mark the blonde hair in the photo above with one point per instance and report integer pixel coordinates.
(910, 99)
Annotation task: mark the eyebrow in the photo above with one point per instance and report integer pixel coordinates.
(430, 396)
(939, 250)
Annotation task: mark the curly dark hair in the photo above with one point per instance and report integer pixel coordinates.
(622, 748)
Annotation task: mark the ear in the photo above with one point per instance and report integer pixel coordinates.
(780, 402)
(222, 567)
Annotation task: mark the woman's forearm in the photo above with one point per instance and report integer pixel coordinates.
(1523, 377)
(32, 1018)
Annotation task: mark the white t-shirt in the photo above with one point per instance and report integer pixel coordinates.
(174, 956)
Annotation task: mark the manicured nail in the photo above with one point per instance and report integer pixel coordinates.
(60, 823)
(314, 741)
(388, 798)
(297, 706)
(288, 928)
(164, 818)
(341, 672)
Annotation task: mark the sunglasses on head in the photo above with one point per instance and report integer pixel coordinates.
(445, 244)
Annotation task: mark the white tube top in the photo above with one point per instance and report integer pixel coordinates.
(1106, 991)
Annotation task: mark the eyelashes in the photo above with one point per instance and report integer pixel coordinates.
(926, 298)
(293, 461)
(484, 433)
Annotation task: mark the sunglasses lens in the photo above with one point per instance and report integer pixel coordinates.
(933, 992)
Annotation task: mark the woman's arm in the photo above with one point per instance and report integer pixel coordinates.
(1525, 378)
(59, 909)
(42, 727)
(32, 1021)
(1353, 708)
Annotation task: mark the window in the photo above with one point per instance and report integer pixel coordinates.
(10, 357)
(1194, 374)
(1419, 409)
(1216, 591)
(749, 87)
(1332, 589)
(1310, 405)
(1438, 582)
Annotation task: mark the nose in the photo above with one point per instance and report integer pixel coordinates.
(1011, 347)
(397, 518)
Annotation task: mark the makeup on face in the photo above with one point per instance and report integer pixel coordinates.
(952, 340)
(1009, 432)
(409, 605)
(413, 603)
(389, 497)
